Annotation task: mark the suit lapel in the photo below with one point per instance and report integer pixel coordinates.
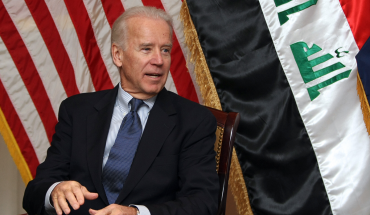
(98, 125)
(158, 127)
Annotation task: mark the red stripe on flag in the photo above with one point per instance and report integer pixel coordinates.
(27, 71)
(357, 13)
(53, 41)
(113, 9)
(90, 48)
(18, 131)
(180, 74)
(153, 3)
(181, 77)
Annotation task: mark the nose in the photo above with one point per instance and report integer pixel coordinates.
(157, 58)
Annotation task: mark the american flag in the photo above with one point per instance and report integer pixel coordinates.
(53, 49)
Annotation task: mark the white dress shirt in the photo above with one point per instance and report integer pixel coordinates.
(121, 108)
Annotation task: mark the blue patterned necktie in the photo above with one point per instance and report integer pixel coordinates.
(122, 152)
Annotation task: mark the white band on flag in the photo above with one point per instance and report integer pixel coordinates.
(317, 51)
(23, 103)
(102, 33)
(63, 23)
(27, 28)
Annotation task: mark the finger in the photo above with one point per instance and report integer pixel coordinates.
(92, 211)
(58, 209)
(79, 196)
(57, 195)
(88, 195)
(105, 211)
(63, 205)
(70, 195)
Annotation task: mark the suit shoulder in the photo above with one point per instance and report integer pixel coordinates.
(178, 100)
(85, 98)
(190, 108)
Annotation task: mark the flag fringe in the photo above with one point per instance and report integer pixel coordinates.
(14, 150)
(203, 76)
(238, 187)
(210, 97)
(364, 103)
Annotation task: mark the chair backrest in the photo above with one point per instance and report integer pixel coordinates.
(227, 124)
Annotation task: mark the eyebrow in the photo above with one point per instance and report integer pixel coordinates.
(168, 45)
(146, 44)
(151, 44)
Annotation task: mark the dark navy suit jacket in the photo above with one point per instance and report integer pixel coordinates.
(173, 172)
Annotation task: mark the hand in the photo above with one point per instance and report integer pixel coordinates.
(70, 191)
(114, 209)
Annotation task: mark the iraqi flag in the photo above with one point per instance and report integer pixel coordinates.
(288, 67)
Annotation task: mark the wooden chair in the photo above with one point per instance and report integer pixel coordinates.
(227, 124)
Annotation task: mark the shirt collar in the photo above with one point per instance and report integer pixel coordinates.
(123, 99)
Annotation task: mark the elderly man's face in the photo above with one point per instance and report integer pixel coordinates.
(146, 61)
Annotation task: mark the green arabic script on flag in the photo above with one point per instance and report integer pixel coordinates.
(301, 53)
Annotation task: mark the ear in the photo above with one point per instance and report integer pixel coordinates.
(117, 55)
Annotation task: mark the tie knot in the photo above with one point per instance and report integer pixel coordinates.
(135, 104)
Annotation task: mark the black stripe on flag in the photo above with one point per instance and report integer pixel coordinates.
(275, 153)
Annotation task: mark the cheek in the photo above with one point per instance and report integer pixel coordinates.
(168, 63)
(163, 82)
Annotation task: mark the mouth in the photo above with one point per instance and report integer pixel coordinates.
(154, 75)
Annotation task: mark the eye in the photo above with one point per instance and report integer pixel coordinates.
(166, 50)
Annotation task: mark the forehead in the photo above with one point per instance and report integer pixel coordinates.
(139, 27)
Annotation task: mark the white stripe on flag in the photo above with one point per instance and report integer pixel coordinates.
(23, 20)
(173, 8)
(333, 119)
(131, 3)
(67, 32)
(170, 85)
(102, 34)
(23, 103)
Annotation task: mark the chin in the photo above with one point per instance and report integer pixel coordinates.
(154, 90)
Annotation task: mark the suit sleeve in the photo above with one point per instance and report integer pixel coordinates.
(197, 174)
(54, 168)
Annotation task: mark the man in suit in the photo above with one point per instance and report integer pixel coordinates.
(172, 170)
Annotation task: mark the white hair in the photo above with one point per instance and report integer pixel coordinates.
(119, 28)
